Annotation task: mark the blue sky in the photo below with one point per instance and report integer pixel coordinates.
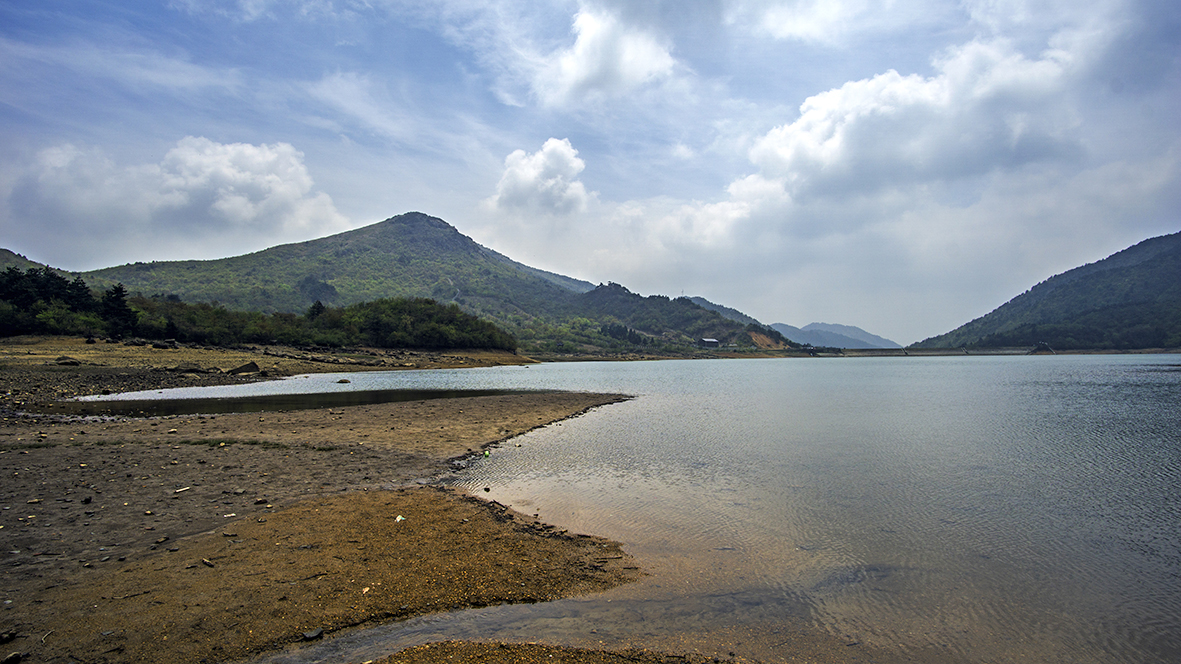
(903, 167)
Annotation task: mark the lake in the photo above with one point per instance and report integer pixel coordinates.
(978, 509)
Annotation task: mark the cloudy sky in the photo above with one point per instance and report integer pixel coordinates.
(900, 166)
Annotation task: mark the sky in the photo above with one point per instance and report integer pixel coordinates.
(900, 166)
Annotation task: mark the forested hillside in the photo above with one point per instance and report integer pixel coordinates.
(412, 256)
(1129, 300)
(10, 259)
(41, 301)
(612, 318)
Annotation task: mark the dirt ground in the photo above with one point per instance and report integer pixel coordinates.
(39, 370)
(535, 653)
(213, 538)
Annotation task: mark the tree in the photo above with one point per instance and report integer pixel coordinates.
(315, 310)
(116, 313)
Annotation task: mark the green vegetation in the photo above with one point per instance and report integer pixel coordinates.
(408, 256)
(392, 323)
(1119, 327)
(9, 259)
(417, 256)
(1130, 300)
(612, 319)
(380, 286)
(41, 301)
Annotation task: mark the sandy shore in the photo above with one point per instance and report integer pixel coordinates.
(214, 538)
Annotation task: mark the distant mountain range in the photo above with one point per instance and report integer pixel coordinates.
(833, 336)
(814, 334)
(1129, 300)
(416, 255)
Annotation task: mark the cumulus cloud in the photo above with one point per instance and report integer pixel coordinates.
(543, 182)
(527, 50)
(989, 107)
(202, 199)
(609, 58)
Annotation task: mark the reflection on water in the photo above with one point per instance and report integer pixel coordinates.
(1004, 509)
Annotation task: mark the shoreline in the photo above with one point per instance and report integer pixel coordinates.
(216, 538)
(242, 534)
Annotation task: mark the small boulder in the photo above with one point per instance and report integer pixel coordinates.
(249, 367)
(187, 367)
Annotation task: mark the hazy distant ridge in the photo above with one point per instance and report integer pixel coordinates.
(833, 336)
(852, 332)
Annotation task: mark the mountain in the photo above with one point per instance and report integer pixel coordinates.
(416, 255)
(833, 336)
(569, 283)
(9, 259)
(852, 332)
(1129, 300)
(732, 314)
(658, 315)
(410, 255)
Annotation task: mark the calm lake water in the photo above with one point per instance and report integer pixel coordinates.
(1000, 509)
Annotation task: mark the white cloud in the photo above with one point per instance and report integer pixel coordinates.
(800, 160)
(527, 50)
(899, 265)
(1037, 16)
(543, 182)
(242, 10)
(203, 199)
(609, 58)
(831, 22)
(988, 108)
